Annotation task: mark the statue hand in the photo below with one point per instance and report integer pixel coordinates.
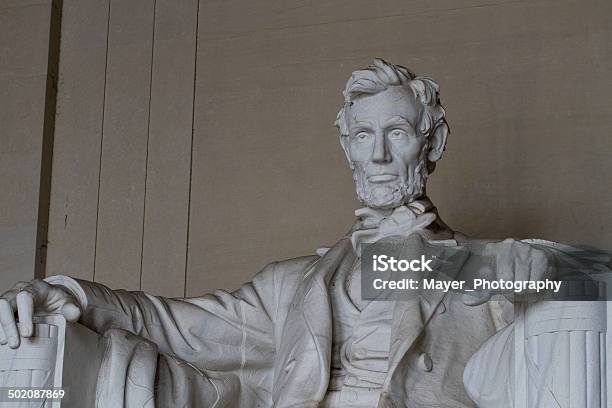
(511, 261)
(29, 298)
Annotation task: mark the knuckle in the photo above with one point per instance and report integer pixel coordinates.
(37, 285)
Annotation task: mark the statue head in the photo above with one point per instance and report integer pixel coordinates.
(393, 131)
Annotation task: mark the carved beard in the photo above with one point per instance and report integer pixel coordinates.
(392, 195)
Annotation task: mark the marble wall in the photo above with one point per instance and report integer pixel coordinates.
(194, 141)
(28, 41)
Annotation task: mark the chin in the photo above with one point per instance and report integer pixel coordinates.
(383, 197)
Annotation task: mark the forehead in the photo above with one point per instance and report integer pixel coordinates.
(377, 108)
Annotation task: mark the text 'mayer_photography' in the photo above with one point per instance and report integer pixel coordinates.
(178, 225)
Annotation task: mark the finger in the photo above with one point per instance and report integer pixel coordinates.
(7, 319)
(71, 312)
(25, 310)
(3, 340)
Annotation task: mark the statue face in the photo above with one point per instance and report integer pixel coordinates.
(386, 151)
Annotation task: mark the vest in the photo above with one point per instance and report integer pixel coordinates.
(360, 344)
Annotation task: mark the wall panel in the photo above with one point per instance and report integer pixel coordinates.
(122, 162)
(78, 135)
(124, 144)
(169, 153)
(24, 53)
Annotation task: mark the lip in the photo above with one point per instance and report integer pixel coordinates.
(382, 178)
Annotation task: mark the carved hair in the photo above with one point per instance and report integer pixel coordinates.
(381, 75)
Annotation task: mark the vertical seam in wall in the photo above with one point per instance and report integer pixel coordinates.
(48, 135)
(193, 105)
(243, 342)
(108, 17)
(144, 203)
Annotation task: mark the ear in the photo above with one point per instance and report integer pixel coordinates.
(437, 141)
(344, 142)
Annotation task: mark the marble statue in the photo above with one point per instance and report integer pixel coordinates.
(300, 334)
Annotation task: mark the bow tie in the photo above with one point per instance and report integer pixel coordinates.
(404, 220)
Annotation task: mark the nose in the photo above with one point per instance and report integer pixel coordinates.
(380, 153)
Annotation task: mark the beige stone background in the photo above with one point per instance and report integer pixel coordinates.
(29, 39)
(193, 140)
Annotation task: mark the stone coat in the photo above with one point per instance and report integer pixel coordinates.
(268, 344)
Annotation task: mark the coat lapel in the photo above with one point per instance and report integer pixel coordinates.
(302, 369)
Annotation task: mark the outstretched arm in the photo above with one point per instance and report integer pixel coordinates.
(214, 328)
(214, 325)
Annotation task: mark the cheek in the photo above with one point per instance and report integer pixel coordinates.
(360, 151)
(406, 152)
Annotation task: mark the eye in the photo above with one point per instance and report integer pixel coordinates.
(397, 134)
(362, 136)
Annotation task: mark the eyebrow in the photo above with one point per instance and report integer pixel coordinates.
(361, 125)
(397, 120)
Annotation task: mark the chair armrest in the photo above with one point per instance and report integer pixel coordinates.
(60, 355)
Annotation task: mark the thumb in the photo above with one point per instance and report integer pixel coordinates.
(71, 311)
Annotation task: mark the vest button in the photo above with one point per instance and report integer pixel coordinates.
(425, 362)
